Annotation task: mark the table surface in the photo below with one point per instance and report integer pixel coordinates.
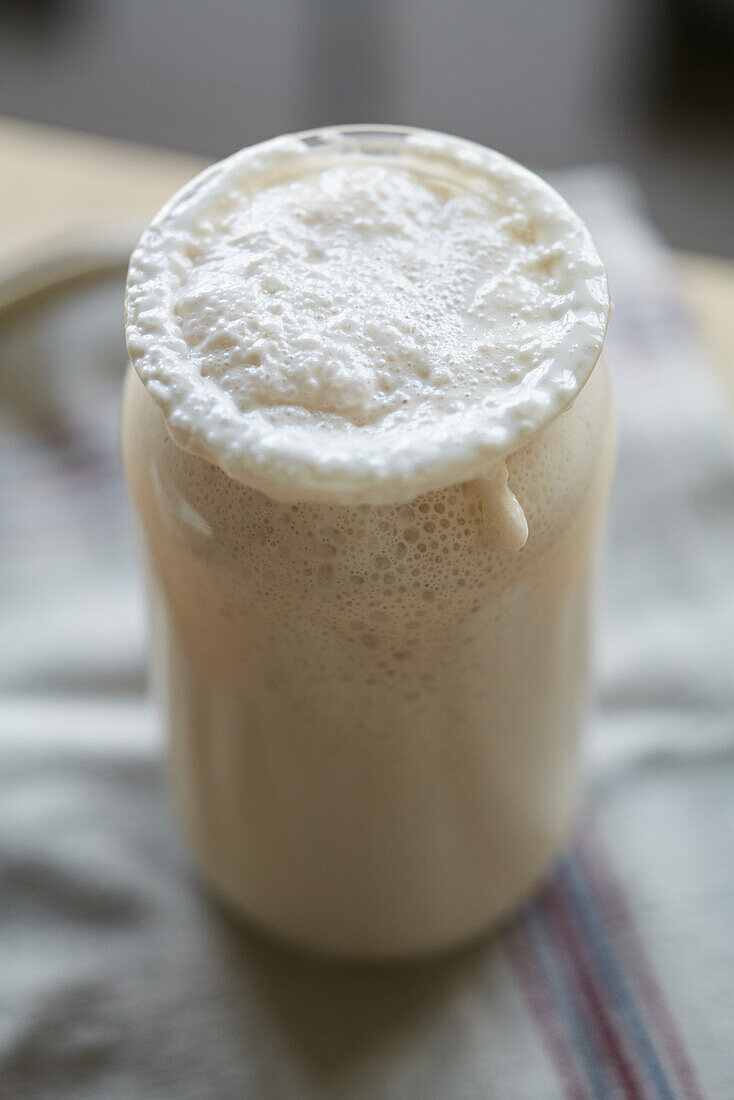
(54, 182)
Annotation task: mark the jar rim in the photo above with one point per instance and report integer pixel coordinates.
(292, 467)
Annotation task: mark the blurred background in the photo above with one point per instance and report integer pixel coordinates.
(645, 84)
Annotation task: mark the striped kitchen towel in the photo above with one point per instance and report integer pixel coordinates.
(120, 979)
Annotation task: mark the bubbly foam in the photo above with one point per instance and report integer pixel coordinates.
(374, 710)
(324, 325)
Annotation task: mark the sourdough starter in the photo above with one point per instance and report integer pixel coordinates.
(370, 452)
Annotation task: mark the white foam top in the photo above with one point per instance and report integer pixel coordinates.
(362, 315)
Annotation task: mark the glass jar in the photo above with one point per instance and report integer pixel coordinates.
(373, 710)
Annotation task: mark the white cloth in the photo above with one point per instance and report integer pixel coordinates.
(121, 979)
